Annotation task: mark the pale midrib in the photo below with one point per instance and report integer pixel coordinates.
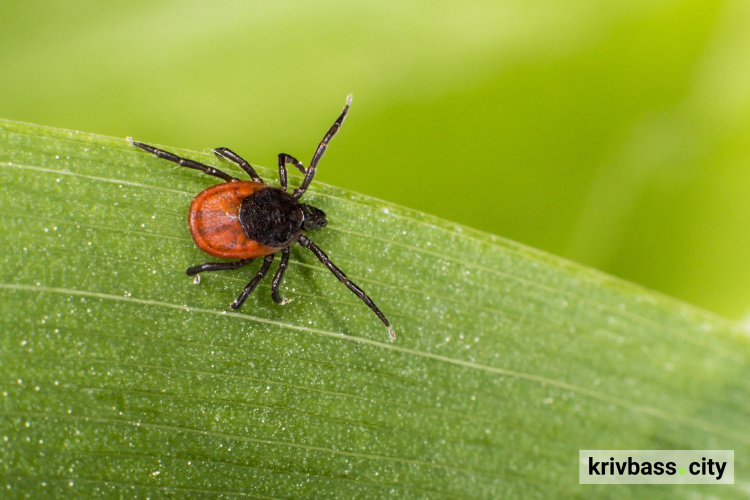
(502, 314)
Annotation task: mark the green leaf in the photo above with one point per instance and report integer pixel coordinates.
(123, 377)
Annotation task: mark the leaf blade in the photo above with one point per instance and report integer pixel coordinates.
(508, 360)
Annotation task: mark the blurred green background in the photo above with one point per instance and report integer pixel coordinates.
(616, 134)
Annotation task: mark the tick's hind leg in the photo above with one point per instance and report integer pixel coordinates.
(232, 156)
(279, 276)
(253, 283)
(342, 278)
(184, 162)
(217, 266)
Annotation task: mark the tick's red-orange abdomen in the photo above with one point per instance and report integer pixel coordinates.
(215, 225)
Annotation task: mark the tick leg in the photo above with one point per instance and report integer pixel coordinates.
(310, 173)
(217, 266)
(283, 160)
(232, 156)
(253, 283)
(184, 162)
(342, 278)
(279, 276)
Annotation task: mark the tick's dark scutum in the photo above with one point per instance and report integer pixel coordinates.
(271, 217)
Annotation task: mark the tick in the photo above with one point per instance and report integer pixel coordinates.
(247, 220)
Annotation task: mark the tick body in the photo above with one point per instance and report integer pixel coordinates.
(221, 228)
(246, 220)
